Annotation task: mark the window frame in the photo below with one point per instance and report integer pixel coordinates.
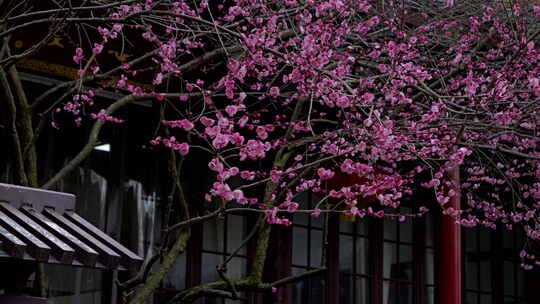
(374, 236)
(497, 256)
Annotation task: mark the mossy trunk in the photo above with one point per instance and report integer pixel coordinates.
(257, 266)
(25, 128)
(150, 286)
(22, 144)
(280, 161)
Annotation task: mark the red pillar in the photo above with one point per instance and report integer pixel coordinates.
(450, 264)
(333, 290)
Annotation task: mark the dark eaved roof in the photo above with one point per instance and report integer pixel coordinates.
(41, 225)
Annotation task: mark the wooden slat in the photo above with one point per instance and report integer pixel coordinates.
(34, 246)
(84, 253)
(11, 244)
(129, 259)
(107, 256)
(60, 250)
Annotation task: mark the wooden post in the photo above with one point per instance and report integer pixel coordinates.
(450, 262)
(278, 265)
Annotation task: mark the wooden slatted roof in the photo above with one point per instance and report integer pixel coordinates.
(41, 225)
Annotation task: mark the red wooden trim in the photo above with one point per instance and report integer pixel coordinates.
(332, 260)
(278, 264)
(450, 266)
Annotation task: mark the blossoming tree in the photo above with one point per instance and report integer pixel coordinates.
(398, 96)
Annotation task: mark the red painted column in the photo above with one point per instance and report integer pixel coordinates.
(450, 263)
(333, 289)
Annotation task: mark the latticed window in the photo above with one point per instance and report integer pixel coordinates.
(379, 260)
(307, 244)
(398, 264)
(355, 277)
(493, 274)
(513, 274)
(222, 237)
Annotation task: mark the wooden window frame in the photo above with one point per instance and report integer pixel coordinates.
(496, 261)
(375, 238)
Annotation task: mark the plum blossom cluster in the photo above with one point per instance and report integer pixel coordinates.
(104, 117)
(172, 143)
(365, 107)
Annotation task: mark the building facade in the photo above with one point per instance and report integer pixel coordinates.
(121, 189)
(375, 261)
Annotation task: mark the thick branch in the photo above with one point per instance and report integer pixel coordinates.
(192, 294)
(92, 140)
(143, 295)
(280, 160)
(16, 143)
(179, 246)
(25, 128)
